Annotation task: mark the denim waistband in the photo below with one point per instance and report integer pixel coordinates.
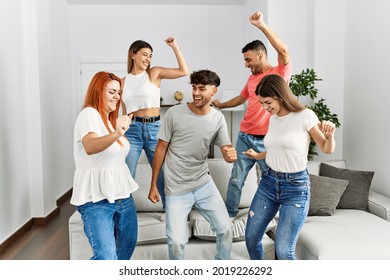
(279, 174)
(256, 136)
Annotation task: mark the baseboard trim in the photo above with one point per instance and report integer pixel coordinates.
(19, 233)
(41, 221)
(38, 221)
(64, 197)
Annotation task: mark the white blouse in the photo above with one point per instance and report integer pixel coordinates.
(103, 175)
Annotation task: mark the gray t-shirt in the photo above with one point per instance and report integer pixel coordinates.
(190, 136)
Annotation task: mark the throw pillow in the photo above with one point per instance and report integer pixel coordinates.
(201, 228)
(355, 195)
(325, 194)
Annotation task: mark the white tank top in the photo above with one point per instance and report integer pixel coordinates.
(140, 93)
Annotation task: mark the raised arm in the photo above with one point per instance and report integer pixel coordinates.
(257, 19)
(171, 73)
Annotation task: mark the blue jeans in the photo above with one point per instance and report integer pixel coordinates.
(111, 228)
(241, 168)
(210, 205)
(290, 194)
(143, 136)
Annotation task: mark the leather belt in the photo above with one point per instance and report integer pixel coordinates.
(146, 119)
(257, 136)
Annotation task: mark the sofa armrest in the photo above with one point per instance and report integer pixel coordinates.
(379, 205)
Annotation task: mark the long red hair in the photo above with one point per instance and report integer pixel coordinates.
(94, 97)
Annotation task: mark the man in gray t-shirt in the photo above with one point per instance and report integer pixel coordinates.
(185, 136)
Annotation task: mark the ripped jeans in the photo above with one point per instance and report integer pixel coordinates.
(241, 168)
(290, 194)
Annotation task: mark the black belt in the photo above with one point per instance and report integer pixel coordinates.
(257, 136)
(146, 119)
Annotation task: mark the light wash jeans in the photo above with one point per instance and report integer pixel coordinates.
(290, 194)
(111, 228)
(241, 168)
(210, 205)
(143, 136)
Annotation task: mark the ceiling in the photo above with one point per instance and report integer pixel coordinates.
(156, 2)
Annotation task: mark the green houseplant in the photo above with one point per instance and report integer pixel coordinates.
(303, 84)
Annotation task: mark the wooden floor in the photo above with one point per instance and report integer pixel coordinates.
(47, 242)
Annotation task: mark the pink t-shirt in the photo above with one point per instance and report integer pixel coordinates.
(256, 119)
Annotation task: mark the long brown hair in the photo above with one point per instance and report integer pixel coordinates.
(275, 86)
(94, 97)
(134, 48)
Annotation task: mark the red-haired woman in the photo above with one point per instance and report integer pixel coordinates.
(103, 185)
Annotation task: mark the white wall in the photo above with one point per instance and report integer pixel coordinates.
(203, 33)
(36, 110)
(15, 191)
(367, 90)
(56, 99)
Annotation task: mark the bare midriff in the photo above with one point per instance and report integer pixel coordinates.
(147, 112)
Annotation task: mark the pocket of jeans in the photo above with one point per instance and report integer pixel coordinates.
(156, 124)
(298, 180)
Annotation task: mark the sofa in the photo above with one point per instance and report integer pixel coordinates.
(347, 220)
(354, 224)
(152, 242)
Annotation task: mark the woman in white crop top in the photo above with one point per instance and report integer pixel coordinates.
(285, 184)
(102, 184)
(141, 97)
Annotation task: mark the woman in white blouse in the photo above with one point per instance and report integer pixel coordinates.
(285, 185)
(103, 185)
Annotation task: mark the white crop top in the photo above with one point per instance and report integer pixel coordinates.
(140, 93)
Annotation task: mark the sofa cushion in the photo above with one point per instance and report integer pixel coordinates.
(201, 228)
(325, 194)
(347, 235)
(355, 195)
(220, 172)
(152, 229)
(313, 167)
(143, 177)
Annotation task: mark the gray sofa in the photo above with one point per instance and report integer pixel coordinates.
(345, 234)
(348, 234)
(152, 244)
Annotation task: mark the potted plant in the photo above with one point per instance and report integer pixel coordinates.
(303, 84)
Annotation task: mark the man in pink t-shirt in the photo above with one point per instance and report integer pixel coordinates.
(254, 125)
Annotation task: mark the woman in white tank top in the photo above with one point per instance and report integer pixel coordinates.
(141, 98)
